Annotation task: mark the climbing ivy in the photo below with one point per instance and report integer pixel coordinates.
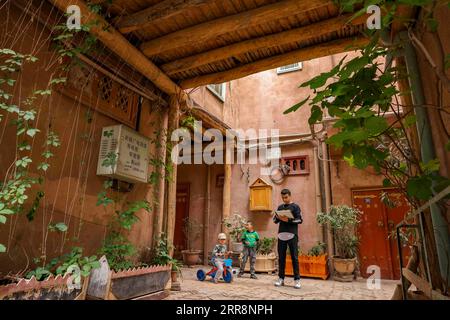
(117, 247)
(15, 190)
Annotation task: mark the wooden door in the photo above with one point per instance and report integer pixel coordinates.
(377, 244)
(182, 212)
(374, 246)
(395, 215)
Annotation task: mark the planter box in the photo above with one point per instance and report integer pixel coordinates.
(264, 263)
(53, 288)
(132, 283)
(310, 266)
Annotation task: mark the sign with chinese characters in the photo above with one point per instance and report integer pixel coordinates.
(123, 154)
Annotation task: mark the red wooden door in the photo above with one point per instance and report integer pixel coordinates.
(378, 246)
(395, 214)
(182, 212)
(374, 246)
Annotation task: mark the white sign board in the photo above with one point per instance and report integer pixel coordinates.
(123, 154)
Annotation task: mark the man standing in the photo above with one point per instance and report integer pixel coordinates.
(288, 237)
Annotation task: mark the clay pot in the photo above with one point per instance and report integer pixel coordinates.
(237, 246)
(191, 257)
(344, 268)
(174, 276)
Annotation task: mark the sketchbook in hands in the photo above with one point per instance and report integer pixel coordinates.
(284, 213)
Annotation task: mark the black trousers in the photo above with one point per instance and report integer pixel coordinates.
(293, 248)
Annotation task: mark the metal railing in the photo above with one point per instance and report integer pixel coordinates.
(421, 284)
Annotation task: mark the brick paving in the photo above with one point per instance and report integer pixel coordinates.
(263, 289)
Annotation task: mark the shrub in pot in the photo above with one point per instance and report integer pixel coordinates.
(343, 221)
(314, 264)
(192, 230)
(236, 227)
(265, 257)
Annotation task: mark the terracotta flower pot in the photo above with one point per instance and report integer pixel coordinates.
(237, 246)
(131, 283)
(174, 276)
(344, 268)
(309, 266)
(191, 257)
(264, 263)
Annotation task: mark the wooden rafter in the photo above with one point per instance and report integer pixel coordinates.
(151, 15)
(308, 53)
(295, 35)
(214, 28)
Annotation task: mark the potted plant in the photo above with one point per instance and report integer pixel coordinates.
(192, 230)
(343, 220)
(314, 264)
(265, 257)
(236, 227)
(176, 270)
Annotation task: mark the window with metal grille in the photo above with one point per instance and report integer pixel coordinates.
(290, 68)
(103, 94)
(218, 90)
(298, 165)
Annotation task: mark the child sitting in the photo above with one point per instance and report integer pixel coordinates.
(250, 238)
(218, 255)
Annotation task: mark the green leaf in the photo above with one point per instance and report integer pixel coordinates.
(43, 166)
(60, 226)
(431, 166)
(6, 211)
(376, 125)
(2, 219)
(410, 120)
(32, 132)
(23, 162)
(320, 80)
(43, 92)
(419, 187)
(24, 146)
(387, 183)
(296, 106)
(2, 248)
(47, 154)
(316, 115)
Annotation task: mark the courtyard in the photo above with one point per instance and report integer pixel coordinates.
(263, 289)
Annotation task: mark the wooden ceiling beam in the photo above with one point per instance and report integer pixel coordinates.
(295, 35)
(151, 15)
(304, 54)
(214, 28)
(117, 43)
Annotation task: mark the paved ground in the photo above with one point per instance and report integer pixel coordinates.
(263, 289)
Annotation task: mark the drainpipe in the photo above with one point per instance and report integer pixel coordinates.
(206, 243)
(327, 185)
(427, 151)
(318, 193)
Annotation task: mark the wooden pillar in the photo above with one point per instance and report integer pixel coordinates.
(206, 244)
(174, 118)
(160, 194)
(226, 205)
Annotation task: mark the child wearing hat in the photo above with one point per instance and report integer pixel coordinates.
(218, 255)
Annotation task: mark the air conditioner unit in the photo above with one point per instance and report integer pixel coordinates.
(123, 154)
